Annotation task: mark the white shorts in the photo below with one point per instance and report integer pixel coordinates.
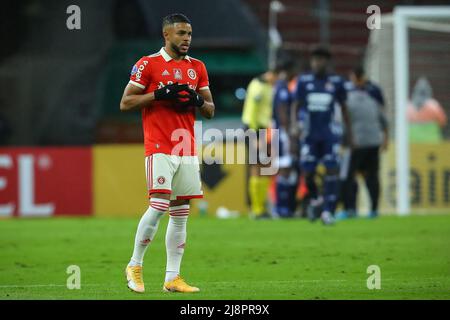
(178, 176)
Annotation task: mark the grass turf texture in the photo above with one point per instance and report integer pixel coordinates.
(231, 259)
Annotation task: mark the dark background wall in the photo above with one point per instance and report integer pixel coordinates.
(61, 86)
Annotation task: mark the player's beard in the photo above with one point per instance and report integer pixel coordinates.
(177, 50)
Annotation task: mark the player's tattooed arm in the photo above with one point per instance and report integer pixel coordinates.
(133, 98)
(207, 109)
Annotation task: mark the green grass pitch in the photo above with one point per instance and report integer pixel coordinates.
(231, 259)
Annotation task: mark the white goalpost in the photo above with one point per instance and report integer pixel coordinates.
(413, 44)
(401, 17)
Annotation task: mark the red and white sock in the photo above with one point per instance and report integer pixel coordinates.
(147, 229)
(176, 240)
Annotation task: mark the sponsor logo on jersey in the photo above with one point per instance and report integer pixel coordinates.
(140, 69)
(177, 74)
(161, 180)
(165, 73)
(319, 102)
(192, 74)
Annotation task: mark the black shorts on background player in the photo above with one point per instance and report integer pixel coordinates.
(364, 160)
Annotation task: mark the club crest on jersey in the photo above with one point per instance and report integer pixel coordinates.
(192, 74)
(177, 74)
(134, 70)
(161, 180)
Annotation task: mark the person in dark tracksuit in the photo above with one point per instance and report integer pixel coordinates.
(370, 136)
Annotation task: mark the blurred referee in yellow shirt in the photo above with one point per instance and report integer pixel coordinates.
(257, 114)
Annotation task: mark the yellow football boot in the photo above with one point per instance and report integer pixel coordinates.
(134, 278)
(179, 285)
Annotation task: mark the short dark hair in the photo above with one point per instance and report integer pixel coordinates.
(285, 64)
(321, 52)
(358, 71)
(175, 18)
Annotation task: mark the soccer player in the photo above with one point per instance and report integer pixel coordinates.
(370, 131)
(287, 178)
(169, 87)
(317, 93)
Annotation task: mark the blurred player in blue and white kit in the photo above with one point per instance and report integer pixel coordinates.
(317, 94)
(287, 178)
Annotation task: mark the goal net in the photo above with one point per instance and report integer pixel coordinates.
(415, 171)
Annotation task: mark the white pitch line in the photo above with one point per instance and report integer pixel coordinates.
(423, 280)
(44, 285)
(279, 281)
(208, 282)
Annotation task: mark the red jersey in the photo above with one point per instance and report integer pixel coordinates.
(168, 127)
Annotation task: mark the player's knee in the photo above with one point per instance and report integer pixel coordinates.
(255, 169)
(181, 202)
(158, 195)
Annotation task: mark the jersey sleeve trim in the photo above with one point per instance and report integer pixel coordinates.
(204, 88)
(136, 84)
(166, 191)
(196, 196)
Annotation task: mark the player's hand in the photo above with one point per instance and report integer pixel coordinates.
(193, 99)
(170, 91)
